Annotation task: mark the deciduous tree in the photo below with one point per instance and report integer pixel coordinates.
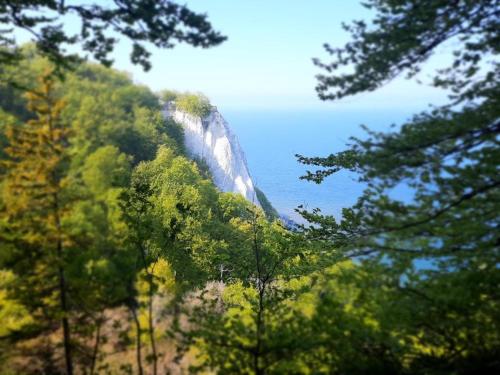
(446, 233)
(160, 23)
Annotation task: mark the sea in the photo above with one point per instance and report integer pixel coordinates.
(272, 138)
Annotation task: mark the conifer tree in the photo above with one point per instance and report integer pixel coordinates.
(161, 23)
(35, 204)
(441, 245)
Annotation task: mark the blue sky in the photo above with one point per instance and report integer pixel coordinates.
(266, 61)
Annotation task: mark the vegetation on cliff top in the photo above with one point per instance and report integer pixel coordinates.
(195, 104)
(117, 255)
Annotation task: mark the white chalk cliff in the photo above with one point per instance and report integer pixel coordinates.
(211, 140)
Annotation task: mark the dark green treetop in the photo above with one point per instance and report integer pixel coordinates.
(448, 157)
(403, 35)
(159, 22)
(443, 238)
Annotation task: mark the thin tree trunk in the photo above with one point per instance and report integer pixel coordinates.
(140, 371)
(95, 351)
(261, 286)
(63, 291)
(54, 183)
(150, 276)
(151, 324)
(65, 323)
(260, 330)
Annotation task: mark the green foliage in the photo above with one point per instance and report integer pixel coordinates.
(113, 242)
(194, 104)
(13, 315)
(256, 306)
(105, 168)
(110, 125)
(159, 23)
(378, 53)
(438, 245)
(34, 208)
(267, 206)
(169, 95)
(233, 206)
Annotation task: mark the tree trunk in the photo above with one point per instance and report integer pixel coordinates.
(63, 291)
(95, 351)
(150, 276)
(261, 286)
(151, 324)
(56, 206)
(260, 329)
(140, 371)
(65, 323)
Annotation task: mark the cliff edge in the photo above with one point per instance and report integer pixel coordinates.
(210, 139)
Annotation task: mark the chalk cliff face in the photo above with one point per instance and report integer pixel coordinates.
(211, 140)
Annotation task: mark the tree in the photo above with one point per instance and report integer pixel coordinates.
(35, 206)
(167, 209)
(247, 324)
(42, 165)
(404, 34)
(161, 23)
(194, 104)
(446, 235)
(345, 326)
(111, 125)
(136, 207)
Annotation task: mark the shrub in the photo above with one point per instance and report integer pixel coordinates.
(194, 104)
(168, 95)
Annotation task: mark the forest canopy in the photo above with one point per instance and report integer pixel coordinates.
(196, 104)
(119, 255)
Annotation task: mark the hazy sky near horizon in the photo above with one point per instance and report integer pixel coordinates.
(266, 63)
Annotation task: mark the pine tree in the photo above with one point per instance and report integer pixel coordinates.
(35, 204)
(440, 246)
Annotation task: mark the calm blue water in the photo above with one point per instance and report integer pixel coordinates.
(270, 140)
